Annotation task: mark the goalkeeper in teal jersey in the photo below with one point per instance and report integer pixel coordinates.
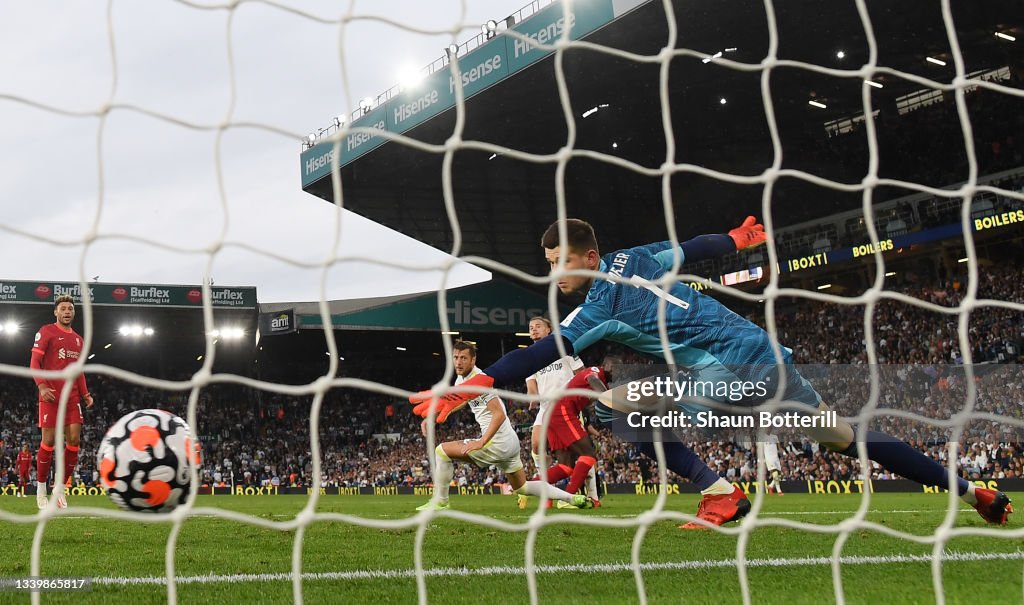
(705, 338)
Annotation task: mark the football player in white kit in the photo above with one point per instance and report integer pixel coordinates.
(497, 446)
(771, 462)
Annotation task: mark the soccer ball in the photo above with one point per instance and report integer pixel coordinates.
(144, 461)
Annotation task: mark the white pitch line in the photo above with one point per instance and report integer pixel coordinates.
(763, 514)
(850, 512)
(769, 514)
(581, 568)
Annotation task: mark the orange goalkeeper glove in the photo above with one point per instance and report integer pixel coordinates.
(749, 234)
(446, 404)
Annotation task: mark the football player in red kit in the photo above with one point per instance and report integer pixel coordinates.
(24, 466)
(56, 347)
(567, 437)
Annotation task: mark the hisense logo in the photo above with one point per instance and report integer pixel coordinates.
(354, 141)
(472, 75)
(404, 111)
(546, 36)
(320, 161)
(466, 314)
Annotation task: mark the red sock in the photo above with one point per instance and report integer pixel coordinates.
(43, 461)
(70, 461)
(556, 473)
(580, 472)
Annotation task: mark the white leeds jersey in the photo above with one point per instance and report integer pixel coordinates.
(556, 375)
(483, 415)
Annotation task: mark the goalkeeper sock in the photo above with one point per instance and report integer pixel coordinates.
(898, 457)
(579, 473)
(683, 462)
(44, 460)
(445, 472)
(539, 488)
(536, 460)
(70, 461)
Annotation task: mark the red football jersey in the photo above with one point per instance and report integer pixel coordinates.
(24, 462)
(59, 349)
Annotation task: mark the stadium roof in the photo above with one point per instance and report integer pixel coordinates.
(503, 204)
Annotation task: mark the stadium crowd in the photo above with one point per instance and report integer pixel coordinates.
(997, 128)
(252, 437)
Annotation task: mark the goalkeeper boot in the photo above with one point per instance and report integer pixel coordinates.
(435, 505)
(993, 506)
(719, 509)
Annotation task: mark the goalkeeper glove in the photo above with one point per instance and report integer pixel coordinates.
(749, 234)
(446, 404)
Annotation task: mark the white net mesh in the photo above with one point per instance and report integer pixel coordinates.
(103, 116)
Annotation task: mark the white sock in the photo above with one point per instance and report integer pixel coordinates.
(592, 492)
(539, 488)
(536, 461)
(445, 472)
(719, 487)
(969, 496)
(41, 488)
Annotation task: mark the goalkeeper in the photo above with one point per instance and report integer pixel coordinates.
(704, 337)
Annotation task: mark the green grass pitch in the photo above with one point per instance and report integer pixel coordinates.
(579, 563)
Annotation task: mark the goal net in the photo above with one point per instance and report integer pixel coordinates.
(886, 168)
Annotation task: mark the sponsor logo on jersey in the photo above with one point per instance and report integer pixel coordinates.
(63, 353)
(556, 366)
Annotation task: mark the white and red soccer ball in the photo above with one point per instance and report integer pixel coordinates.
(144, 461)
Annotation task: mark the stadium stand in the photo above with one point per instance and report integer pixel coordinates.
(251, 438)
